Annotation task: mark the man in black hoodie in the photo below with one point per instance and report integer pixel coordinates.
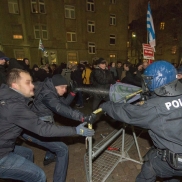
(3, 59)
(16, 162)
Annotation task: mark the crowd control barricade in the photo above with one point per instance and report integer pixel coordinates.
(100, 162)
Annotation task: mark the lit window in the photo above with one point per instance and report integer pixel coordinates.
(128, 44)
(112, 19)
(90, 5)
(91, 26)
(41, 32)
(113, 1)
(70, 12)
(72, 57)
(162, 24)
(173, 49)
(38, 6)
(19, 54)
(71, 36)
(91, 48)
(112, 39)
(112, 55)
(17, 32)
(13, 6)
(133, 34)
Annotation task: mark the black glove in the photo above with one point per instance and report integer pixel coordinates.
(73, 86)
(89, 118)
(81, 130)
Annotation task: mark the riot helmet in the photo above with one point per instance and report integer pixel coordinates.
(160, 77)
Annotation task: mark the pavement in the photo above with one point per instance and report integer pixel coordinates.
(124, 171)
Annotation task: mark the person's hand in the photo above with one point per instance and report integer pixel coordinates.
(73, 86)
(89, 118)
(81, 130)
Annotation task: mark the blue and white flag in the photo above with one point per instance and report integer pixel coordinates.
(150, 28)
(41, 47)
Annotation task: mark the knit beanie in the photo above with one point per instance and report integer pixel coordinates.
(59, 80)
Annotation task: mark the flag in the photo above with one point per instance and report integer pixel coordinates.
(150, 27)
(41, 47)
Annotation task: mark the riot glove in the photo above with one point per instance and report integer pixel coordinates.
(81, 130)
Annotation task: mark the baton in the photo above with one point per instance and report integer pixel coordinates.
(133, 94)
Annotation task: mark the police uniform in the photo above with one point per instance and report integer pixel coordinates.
(162, 116)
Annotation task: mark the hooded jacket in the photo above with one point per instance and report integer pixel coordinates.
(15, 115)
(48, 101)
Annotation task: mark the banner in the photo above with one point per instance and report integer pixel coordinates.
(148, 51)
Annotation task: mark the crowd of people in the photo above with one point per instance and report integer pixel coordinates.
(34, 95)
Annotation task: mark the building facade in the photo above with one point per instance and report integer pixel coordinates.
(70, 30)
(167, 19)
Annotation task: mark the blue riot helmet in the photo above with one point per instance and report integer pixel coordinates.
(160, 77)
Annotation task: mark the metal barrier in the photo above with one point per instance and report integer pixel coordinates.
(100, 162)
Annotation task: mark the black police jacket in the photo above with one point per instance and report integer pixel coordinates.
(162, 116)
(47, 102)
(15, 115)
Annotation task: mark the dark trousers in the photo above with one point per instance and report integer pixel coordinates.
(96, 101)
(154, 167)
(61, 151)
(18, 165)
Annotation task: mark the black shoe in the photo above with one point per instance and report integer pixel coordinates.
(48, 161)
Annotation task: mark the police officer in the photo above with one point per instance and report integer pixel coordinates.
(162, 116)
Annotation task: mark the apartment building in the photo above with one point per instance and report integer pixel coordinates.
(70, 30)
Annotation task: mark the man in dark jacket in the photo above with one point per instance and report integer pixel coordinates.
(15, 115)
(47, 101)
(161, 115)
(3, 59)
(101, 78)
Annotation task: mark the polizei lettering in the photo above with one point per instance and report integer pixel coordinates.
(174, 103)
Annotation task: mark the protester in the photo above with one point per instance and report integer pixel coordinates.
(100, 78)
(16, 162)
(161, 115)
(48, 99)
(3, 59)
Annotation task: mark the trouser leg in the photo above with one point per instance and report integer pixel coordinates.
(61, 151)
(96, 102)
(14, 166)
(156, 167)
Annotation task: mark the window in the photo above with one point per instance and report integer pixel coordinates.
(44, 32)
(162, 24)
(91, 26)
(40, 32)
(19, 54)
(91, 48)
(70, 12)
(112, 39)
(13, 6)
(72, 57)
(38, 6)
(71, 36)
(173, 49)
(112, 57)
(17, 32)
(112, 19)
(90, 5)
(113, 1)
(128, 44)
